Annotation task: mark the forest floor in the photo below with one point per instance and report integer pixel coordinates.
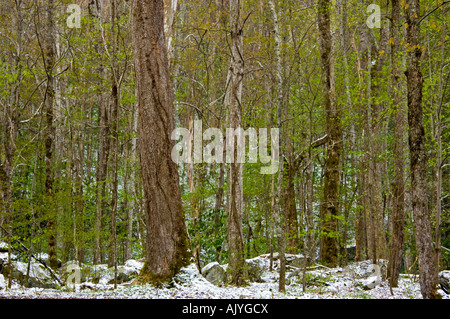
(333, 283)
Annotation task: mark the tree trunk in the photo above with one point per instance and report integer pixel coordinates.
(375, 171)
(115, 98)
(398, 185)
(50, 133)
(191, 182)
(362, 224)
(290, 211)
(329, 211)
(280, 214)
(170, 9)
(101, 174)
(167, 239)
(102, 162)
(310, 232)
(428, 270)
(218, 207)
(235, 235)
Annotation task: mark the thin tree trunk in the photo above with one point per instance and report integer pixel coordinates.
(378, 56)
(50, 57)
(398, 185)
(129, 198)
(170, 9)
(280, 213)
(290, 212)
(191, 183)
(102, 162)
(438, 137)
(115, 109)
(361, 224)
(310, 236)
(218, 207)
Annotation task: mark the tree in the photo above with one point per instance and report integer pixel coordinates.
(50, 58)
(428, 270)
(280, 213)
(398, 184)
(167, 240)
(329, 210)
(235, 236)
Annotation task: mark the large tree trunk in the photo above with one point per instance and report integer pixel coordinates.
(398, 185)
(167, 239)
(235, 235)
(329, 247)
(428, 270)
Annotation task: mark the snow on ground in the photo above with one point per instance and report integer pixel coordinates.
(189, 283)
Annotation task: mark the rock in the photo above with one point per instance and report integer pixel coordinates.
(2, 282)
(371, 282)
(444, 281)
(294, 260)
(214, 273)
(136, 264)
(101, 273)
(366, 268)
(69, 267)
(189, 276)
(39, 276)
(217, 274)
(256, 267)
(125, 273)
(4, 259)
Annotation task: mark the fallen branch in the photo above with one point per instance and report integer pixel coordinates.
(38, 260)
(445, 248)
(307, 268)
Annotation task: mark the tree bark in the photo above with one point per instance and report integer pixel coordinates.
(235, 234)
(398, 185)
(280, 213)
(194, 202)
(329, 209)
(428, 270)
(375, 164)
(102, 163)
(167, 239)
(50, 57)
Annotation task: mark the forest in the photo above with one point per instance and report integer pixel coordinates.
(115, 145)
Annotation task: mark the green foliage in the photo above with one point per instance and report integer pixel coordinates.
(199, 68)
